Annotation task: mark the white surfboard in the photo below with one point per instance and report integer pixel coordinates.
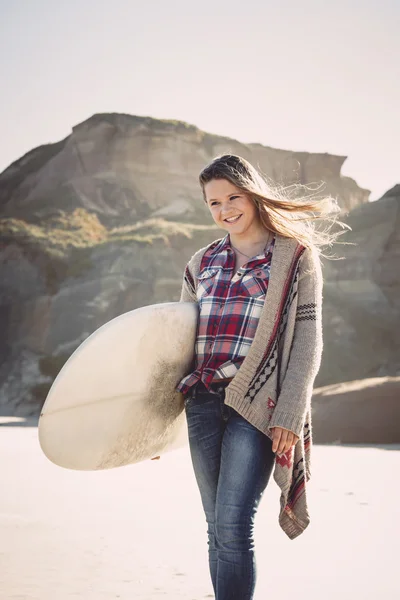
(114, 402)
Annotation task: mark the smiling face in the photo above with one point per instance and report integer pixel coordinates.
(231, 208)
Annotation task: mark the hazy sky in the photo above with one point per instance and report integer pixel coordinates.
(313, 75)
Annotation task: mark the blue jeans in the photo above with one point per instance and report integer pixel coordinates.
(232, 462)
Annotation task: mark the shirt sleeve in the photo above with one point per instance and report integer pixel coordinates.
(305, 355)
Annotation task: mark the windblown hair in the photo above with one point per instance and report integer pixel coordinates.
(290, 211)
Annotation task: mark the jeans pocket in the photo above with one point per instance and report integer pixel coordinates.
(186, 400)
(202, 401)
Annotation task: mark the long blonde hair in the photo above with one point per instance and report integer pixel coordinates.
(285, 210)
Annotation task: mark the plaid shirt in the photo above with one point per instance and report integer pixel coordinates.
(229, 309)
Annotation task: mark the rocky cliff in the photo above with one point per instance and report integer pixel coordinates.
(362, 295)
(105, 220)
(123, 167)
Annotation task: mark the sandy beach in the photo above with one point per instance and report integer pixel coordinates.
(138, 531)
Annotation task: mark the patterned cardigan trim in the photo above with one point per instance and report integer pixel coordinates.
(269, 361)
(296, 495)
(306, 312)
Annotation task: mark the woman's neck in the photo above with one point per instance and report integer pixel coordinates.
(253, 242)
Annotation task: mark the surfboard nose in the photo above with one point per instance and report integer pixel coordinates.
(114, 402)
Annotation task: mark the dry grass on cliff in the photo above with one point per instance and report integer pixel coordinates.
(56, 235)
(151, 230)
(82, 230)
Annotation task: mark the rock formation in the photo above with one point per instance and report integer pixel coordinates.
(105, 220)
(123, 167)
(362, 296)
(366, 411)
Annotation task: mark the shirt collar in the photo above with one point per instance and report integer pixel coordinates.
(225, 244)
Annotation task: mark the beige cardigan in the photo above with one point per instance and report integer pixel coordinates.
(273, 386)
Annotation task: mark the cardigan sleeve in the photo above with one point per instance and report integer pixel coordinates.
(305, 355)
(188, 292)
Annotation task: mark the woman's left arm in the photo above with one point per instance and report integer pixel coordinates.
(188, 292)
(306, 351)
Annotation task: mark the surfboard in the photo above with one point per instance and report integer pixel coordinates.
(114, 401)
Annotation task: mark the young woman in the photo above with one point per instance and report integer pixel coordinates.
(258, 350)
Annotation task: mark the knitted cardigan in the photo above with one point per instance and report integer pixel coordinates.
(274, 383)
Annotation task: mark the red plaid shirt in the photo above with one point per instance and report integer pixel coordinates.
(230, 305)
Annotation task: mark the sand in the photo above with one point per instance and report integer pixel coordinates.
(138, 533)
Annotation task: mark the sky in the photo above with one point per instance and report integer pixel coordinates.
(311, 76)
